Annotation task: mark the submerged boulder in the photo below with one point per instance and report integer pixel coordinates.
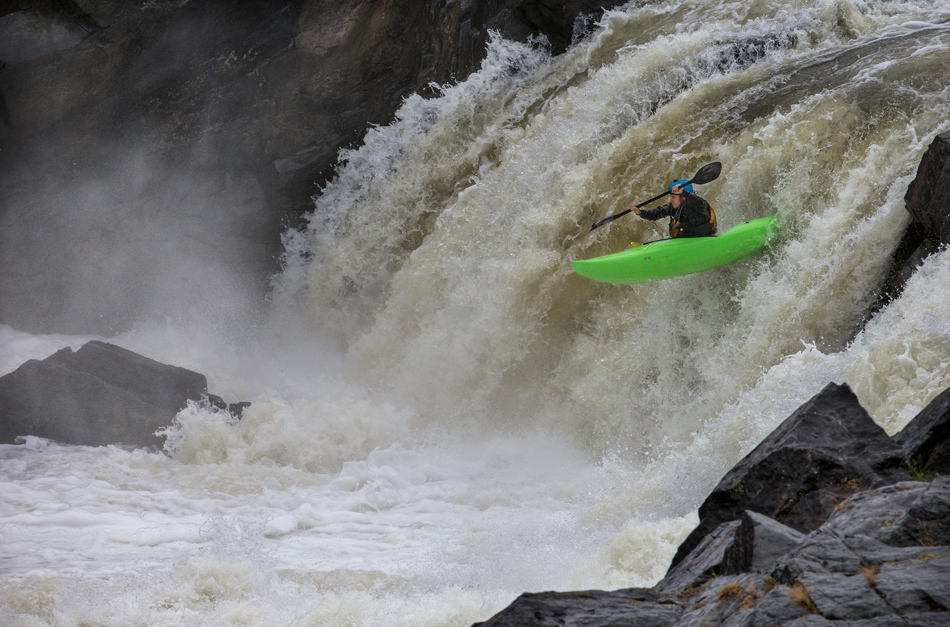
(100, 394)
(825, 451)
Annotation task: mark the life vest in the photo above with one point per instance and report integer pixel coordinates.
(676, 230)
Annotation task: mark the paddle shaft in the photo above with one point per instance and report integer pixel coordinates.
(623, 213)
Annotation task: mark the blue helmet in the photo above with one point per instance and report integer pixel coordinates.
(688, 188)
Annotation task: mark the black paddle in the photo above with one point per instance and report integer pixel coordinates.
(706, 174)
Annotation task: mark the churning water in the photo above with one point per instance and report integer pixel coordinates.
(444, 414)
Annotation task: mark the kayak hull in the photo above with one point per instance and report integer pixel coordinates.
(669, 258)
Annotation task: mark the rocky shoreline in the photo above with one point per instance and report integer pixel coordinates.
(827, 522)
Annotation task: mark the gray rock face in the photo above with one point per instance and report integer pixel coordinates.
(835, 576)
(844, 597)
(926, 438)
(767, 539)
(909, 514)
(870, 560)
(25, 35)
(777, 607)
(101, 394)
(918, 587)
(719, 599)
(928, 202)
(828, 449)
(752, 544)
(719, 553)
(852, 578)
(827, 551)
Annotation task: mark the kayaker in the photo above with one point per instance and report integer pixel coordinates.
(690, 215)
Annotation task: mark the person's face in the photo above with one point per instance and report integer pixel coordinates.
(676, 197)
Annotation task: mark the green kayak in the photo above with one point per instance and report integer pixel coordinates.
(668, 258)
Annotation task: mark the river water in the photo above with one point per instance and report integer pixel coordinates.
(444, 415)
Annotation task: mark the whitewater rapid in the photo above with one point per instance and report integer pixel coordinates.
(444, 415)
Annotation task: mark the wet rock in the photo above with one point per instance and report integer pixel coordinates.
(767, 541)
(844, 597)
(879, 583)
(828, 551)
(928, 202)
(856, 577)
(825, 451)
(25, 35)
(908, 514)
(633, 606)
(559, 21)
(919, 585)
(777, 607)
(926, 439)
(235, 409)
(718, 553)
(745, 52)
(719, 599)
(752, 544)
(872, 559)
(101, 394)
(928, 195)
(915, 246)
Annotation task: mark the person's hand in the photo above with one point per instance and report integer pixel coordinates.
(635, 209)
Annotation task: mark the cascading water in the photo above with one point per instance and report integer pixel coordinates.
(444, 414)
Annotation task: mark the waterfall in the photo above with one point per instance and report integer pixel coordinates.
(444, 414)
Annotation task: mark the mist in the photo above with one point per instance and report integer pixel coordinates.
(99, 247)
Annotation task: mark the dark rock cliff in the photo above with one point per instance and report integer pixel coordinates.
(186, 133)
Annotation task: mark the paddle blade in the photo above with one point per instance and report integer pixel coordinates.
(609, 219)
(707, 173)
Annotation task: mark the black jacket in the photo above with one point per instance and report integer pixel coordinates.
(695, 219)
